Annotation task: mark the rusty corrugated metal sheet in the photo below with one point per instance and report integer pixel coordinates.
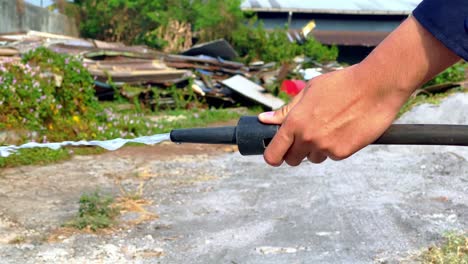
(350, 38)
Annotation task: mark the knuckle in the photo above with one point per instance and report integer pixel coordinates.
(317, 141)
(284, 110)
(322, 145)
(340, 153)
(310, 138)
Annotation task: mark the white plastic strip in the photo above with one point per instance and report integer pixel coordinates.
(111, 145)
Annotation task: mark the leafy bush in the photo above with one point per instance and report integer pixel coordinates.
(316, 51)
(47, 91)
(136, 21)
(254, 42)
(51, 96)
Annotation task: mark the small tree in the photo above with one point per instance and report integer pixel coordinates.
(20, 7)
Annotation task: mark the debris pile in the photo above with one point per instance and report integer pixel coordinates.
(206, 69)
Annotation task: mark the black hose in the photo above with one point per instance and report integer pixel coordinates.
(404, 134)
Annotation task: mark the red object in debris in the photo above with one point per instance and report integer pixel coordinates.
(293, 87)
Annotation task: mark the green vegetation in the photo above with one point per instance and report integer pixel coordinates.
(455, 73)
(144, 22)
(47, 91)
(153, 23)
(172, 119)
(253, 42)
(454, 250)
(34, 156)
(95, 212)
(422, 98)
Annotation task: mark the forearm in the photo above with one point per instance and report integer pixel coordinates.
(405, 60)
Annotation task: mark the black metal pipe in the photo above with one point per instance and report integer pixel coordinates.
(252, 136)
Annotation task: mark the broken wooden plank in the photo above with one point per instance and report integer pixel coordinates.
(8, 52)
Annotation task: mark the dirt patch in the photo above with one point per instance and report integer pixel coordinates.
(168, 151)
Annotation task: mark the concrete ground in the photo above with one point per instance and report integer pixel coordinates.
(383, 205)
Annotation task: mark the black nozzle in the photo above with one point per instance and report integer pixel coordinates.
(209, 135)
(251, 136)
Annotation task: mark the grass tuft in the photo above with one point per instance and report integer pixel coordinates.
(95, 212)
(454, 250)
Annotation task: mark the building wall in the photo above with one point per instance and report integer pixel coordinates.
(33, 18)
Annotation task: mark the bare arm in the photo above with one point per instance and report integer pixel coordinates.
(341, 112)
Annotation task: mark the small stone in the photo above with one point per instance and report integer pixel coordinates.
(26, 246)
(149, 237)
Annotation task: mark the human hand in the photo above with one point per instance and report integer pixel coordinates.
(336, 115)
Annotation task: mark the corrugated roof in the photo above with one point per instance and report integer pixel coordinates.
(333, 6)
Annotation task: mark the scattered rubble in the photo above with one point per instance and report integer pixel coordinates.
(293, 87)
(138, 71)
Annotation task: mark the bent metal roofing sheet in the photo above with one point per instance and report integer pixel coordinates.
(333, 6)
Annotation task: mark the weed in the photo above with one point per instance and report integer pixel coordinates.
(434, 99)
(45, 156)
(95, 212)
(18, 240)
(454, 250)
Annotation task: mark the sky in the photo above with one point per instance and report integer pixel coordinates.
(38, 2)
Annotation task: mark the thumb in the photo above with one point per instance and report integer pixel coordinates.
(277, 117)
